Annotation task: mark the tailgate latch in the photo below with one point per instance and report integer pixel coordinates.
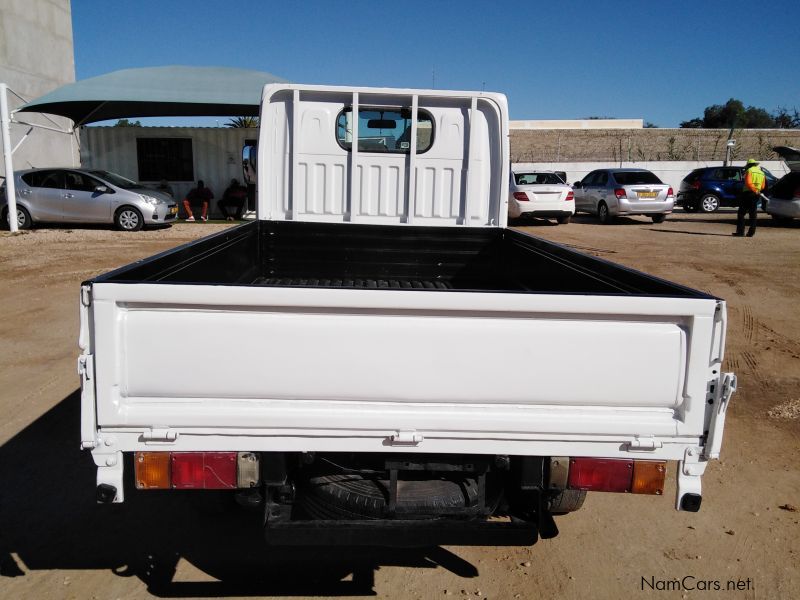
(160, 436)
(722, 396)
(644, 443)
(406, 438)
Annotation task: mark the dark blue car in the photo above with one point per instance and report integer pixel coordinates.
(709, 188)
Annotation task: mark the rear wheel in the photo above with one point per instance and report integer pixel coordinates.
(603, 214)
(566, 501)
(128, 218)
(23, 218)
(659, 218)
(564, 220)
(709, 203)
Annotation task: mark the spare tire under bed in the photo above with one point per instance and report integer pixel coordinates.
(358, 496)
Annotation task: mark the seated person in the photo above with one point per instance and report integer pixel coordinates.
(199, 196)
(235, 196)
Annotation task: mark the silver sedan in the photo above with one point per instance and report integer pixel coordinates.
(611, 192)
(87, 196)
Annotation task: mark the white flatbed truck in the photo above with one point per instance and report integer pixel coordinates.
(378, 359)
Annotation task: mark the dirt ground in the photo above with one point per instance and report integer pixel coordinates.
(55, 542)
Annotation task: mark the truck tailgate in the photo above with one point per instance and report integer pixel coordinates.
(327, 364)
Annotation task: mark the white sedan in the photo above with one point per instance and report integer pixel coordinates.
(540, 194)
(784, 198)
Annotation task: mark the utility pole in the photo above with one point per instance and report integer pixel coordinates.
(11, 191)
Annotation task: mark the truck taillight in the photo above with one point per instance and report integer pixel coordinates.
(570, 196)
(670, 193)
(195, 470)
(521, 196)
(617, 475)
(203, 470)
(620, 193)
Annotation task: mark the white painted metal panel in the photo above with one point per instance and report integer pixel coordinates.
(429, 188)
(282, 362)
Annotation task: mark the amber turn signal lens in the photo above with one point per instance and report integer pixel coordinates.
(152, 470)
(648, 477)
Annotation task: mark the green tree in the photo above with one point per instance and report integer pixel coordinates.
(734, 114)
(786, 119)
(127, 123)
(237, 122)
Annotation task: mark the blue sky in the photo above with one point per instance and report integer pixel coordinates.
(661, 61)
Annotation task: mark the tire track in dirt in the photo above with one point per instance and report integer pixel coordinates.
(749, 322)
(783, 343)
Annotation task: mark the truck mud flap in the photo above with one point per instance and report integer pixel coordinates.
(401, 533)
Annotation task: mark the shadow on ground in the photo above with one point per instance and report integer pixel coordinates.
(49, 520)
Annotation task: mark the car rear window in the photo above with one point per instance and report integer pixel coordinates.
(537, 178)
(693, 175)
(635, 177)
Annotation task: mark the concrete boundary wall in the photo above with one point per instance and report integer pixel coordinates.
(641, 145)
(671, 172)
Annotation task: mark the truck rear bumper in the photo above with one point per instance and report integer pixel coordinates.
(401, 533)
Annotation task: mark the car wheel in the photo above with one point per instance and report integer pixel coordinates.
(128, 218)
(709, 203)
(659, 218)
(23, 218)
(566, 501)
(603, 214)
(564, 220)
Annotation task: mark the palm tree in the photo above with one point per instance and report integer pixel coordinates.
(249, 122)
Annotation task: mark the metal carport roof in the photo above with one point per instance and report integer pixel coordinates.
(168, 91)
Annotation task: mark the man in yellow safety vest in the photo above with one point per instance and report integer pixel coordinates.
(754, 182)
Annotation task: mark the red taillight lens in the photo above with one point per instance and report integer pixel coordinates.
(670, 192)
(600, 474)
(521, 196)
(696, 184)
(204, 470)
(620, 193)
(797, 193)
(570, 196)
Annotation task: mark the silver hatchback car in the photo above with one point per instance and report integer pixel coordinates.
(87, 196)
(611, 192)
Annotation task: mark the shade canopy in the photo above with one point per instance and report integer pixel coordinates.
(173, 91)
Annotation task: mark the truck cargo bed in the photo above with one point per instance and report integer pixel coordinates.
(288, 254)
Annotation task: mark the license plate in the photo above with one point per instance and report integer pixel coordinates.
(173, 210)
(647, 194)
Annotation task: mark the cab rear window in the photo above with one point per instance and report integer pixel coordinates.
(384, 130)
(635, 177)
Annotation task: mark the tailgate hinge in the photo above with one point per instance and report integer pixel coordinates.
(405, 438)
(644, 443)
(88, 414)
(725, 389)
(160, 436)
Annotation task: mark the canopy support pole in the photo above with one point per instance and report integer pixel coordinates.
(11, 191)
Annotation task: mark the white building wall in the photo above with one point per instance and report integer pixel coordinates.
(216, 153)
(36, 57)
